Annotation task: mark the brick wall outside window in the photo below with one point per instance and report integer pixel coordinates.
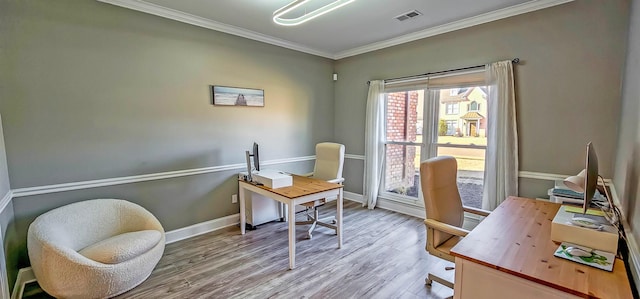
(402, 116)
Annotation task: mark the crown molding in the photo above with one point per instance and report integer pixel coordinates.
(457, 25)
(161, 11)
(183, 17)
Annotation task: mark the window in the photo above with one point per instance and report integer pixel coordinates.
(465, 139)
(452, 126)
(453, 108)
(404, 115)
(463, 136)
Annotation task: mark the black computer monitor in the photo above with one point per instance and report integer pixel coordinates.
(591, 176)
(256, 161)
(256, 157)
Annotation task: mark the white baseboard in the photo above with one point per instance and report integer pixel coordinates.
(634, 255)
(25, 276)
(402, 208)
(201, 228)
(353, 196)
(632, 243)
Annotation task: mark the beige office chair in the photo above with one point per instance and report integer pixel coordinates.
(445, 212)
(328, 167)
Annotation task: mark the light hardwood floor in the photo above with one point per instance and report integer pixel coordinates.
(383, 256)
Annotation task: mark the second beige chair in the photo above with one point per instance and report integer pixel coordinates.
(444, 209)
(328, 167)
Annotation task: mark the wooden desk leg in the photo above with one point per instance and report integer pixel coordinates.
(339, 217)
(243, 219)
(292, 236)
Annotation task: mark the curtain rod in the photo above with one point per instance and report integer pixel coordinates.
(514, 61)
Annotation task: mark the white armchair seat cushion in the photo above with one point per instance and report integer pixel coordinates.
(123, 247)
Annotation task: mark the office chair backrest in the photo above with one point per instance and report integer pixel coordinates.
(442, 201)
(329, 161)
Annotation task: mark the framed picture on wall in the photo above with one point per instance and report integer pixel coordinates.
(234, 96)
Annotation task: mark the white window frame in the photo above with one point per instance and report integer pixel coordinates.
(427, 148)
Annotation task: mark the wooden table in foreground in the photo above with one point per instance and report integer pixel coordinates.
(510, 255)
(303, 190)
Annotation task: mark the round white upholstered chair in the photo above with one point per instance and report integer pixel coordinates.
(96, 248)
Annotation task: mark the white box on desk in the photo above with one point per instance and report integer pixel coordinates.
(272, 178)
(563, 231)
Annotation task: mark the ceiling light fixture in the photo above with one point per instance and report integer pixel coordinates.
(308, 16)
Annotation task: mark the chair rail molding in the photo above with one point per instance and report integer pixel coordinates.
(37, 190)
(6, 199)
(354, 157)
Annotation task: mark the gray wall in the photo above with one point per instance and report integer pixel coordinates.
(4, 172)
(568, 86)
(7, 219)
(627, 171)
(93, 91)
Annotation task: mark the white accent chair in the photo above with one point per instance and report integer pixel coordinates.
(444, 210)
(94, 249)
(328, 167)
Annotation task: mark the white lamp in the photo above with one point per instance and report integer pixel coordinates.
(576, 182)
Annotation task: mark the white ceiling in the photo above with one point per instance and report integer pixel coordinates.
(359, 27)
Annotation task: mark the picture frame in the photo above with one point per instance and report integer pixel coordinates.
(236, 96)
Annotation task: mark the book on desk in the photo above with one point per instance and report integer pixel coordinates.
(563, 195)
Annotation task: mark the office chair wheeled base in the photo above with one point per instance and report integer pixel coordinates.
(429, 280)
(315, 221)
(431, 277)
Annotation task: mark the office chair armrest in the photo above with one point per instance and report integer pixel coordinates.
(336, 181)
(476, 211)
(446, 228)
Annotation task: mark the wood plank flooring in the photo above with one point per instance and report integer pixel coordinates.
(382, 256)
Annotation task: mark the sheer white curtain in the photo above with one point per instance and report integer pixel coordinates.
(374, 143)
(501, 161)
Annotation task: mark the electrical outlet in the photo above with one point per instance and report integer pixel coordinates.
(234, 198)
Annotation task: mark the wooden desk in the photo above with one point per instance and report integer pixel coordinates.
(510, 255)
(303, 190)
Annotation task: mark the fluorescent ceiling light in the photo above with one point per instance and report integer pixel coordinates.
(308, 16)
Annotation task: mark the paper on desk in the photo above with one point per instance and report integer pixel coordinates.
(578, 210)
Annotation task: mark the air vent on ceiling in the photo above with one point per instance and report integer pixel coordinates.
(408, 15)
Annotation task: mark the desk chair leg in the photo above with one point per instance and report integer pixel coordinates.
(313, 225)
(315, 221)
(438, 279)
